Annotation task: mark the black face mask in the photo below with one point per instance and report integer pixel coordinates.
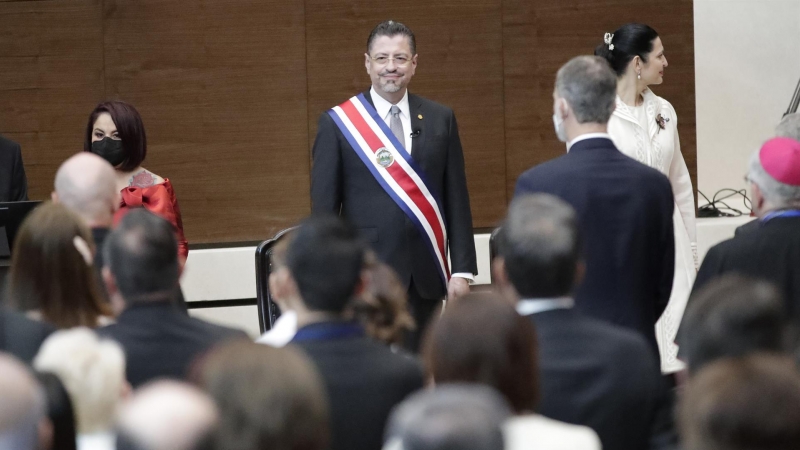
(109, 149)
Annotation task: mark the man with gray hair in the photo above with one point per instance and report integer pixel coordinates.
(771, 251)
(454, 416)
(23, 423)
(624, 208)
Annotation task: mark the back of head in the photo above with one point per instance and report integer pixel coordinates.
(51, 269)
(732, 316)
(775, 169)
(627, 42)
(23, 406)
(540, 246)
(268, 398)
(789, 127)
(482, 339)
(86, 184)
(742, 404)
(451, 417)
(589, 87)
(59, 411)
(91, 369)
(142, 255)
(325, 258)
(166, 415)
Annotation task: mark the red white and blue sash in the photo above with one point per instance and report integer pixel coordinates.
(395, 171)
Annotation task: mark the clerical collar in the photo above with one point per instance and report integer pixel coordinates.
(586, 136)
(528, 306)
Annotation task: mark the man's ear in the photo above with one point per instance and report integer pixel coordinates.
(499, 271)
(109, 281)
(54, 196)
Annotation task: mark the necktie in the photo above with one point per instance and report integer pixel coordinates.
(397, 126)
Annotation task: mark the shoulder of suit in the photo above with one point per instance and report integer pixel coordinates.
(7, 144)
(429, 104)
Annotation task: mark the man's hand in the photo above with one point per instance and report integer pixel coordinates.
(457, 287)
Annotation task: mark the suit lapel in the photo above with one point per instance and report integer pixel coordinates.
(417, 114)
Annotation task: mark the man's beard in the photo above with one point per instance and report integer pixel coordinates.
(390, 86)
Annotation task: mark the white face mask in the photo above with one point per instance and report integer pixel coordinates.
(558, 123)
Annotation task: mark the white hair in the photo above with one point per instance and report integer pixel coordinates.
(23, 406)
(778, 194)
(92, 371)
(86, 184)
(789, 127)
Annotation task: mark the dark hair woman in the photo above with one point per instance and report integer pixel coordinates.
(116, 133)
(644, 126)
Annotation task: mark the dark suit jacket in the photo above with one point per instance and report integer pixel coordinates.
(746, 228)
(21, 336)
(771, 252)
(625, 212)
(13, 184)
(342, 184)
(160, 340)
(364, 380)
(595, 374)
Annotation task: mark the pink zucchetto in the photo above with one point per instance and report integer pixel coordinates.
(780, 158)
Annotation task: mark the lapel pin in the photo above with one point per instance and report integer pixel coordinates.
(419, 116)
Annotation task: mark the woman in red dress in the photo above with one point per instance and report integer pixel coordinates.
(116, 133)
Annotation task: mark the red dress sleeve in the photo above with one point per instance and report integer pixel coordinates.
(160, 200)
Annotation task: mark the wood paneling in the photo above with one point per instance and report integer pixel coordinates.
(230, 91)
(460, 65)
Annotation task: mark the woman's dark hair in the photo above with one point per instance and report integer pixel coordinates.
(129, 127)
(49, 271)
(59, 411)
(630, 40)
(482, 339)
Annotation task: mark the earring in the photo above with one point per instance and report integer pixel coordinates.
(639, 76)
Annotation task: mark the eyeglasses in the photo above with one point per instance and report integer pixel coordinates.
(400, 60)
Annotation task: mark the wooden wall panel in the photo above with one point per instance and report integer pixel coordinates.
(51, 66)
(460, 65)
(221, 87)
(540, 36)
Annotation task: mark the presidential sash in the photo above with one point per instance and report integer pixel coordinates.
(396, 172)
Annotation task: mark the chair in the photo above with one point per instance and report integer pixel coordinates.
(268, 311)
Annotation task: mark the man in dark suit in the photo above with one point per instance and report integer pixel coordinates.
(772, 251)
(624, 207)
(592, 373)
(342, 183)
(141, 273)
(21, 336)
(13, 184)
(363, 377)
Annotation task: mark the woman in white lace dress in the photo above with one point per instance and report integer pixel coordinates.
(644, 126)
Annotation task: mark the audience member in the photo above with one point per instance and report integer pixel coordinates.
(482, 339)
(21, 336)
(283, 291)
(115, 132)
(592, 373)
(364, 378)
(268, 398)
(23, 420)
(59, 411)
(751, 403)
(141, 274)
(771, 252)
(167, 415)
(93, 373)
(381, 307)
(87, 185)
(455, 416)
(624, 208)
(733, 316)
(13, 183)
(51, 273)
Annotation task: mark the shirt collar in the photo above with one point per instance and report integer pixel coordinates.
(586, 136)
(383, 106)
(528, 306)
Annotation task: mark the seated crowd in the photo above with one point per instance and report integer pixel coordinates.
(97, 350)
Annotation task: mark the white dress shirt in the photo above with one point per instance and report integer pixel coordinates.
(383, 107)
(282, 331)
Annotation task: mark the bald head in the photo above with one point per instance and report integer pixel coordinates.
(167, 415)
(23, 406)
(86, 184)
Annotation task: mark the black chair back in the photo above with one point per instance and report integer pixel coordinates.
(268, 310)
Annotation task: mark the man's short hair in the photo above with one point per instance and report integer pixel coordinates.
(789, 127)
(325, 258)
(779, 194)
(391, 28)
(540, 243)
(92, 371)
(589, 86)
(142, 254)
(86, 184)
(742, 404)
(454, 416)
(732, 316)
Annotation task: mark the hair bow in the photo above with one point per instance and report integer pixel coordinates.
(607, 39)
